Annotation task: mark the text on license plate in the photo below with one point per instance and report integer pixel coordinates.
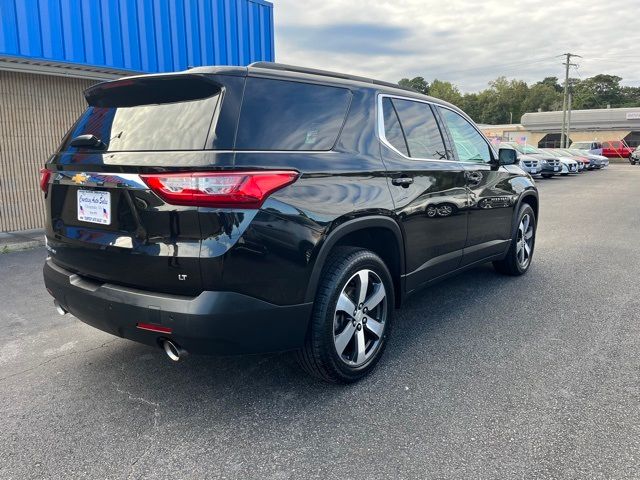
(94, 207)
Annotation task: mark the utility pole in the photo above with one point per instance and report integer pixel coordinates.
(567, 64)
(570, 98)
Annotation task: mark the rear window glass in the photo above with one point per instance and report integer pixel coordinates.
(150, 114)
(283, 115)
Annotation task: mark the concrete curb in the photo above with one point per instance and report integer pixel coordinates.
(17, 241)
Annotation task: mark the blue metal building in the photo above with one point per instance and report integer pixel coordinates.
(137, 35)
(51, 50)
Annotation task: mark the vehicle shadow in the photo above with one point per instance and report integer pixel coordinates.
(430, 324)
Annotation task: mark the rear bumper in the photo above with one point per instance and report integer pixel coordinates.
(211, 323)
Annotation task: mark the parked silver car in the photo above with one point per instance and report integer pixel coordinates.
(532, 158)
(600, 160)
(561, 155)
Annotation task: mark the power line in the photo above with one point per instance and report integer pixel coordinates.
(491, 67)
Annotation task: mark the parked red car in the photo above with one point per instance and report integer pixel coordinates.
(616, 149)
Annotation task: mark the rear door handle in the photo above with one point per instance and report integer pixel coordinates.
(402, 181)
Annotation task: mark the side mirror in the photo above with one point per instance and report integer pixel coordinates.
(507, 156)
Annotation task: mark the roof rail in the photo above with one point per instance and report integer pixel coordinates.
(325, 73)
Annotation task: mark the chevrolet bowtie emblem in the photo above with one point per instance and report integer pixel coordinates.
(79, 178)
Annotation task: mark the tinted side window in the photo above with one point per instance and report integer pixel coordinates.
(282, 115)
(424, 139)
(392, 129)
(469, 144)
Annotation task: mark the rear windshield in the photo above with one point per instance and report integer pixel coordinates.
(154, 114)
(283, 115)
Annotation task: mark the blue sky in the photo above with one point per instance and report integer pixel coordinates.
(468, 42)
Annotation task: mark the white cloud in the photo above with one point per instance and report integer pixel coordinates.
(468, 42)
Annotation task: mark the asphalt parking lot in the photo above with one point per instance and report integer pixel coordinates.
(485, 376)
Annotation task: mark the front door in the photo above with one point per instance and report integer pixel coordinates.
(491, 193)
(428, 189)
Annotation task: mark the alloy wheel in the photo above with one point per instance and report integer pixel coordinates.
(359, 319)
(524, 241)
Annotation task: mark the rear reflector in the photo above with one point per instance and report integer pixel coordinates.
(44, 179)
(154, 328)
(219, 189)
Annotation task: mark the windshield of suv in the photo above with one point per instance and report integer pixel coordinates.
(550, 151)
(530, 149)
(518, 148)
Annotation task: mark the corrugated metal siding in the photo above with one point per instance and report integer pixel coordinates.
(138, 35)
(35, 113)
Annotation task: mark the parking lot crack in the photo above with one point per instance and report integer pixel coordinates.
(156, 415)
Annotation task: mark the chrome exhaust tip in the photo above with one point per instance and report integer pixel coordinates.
(59, 308)
(173, 350)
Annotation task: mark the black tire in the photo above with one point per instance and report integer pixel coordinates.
(319, 356)
(547, 176)
(511, 265)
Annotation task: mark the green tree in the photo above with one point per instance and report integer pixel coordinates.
(472, 106)
(630, 96)
(419, 84)
(503, 101)
(542, 96)
(445, 91)
(506, 100)
(551, 82)
(598, 92)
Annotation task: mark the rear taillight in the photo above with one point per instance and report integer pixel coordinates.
(218, 189)
(44, 179)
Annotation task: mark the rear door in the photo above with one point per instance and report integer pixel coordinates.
(428, 188)
(103, 220)
(490, 191)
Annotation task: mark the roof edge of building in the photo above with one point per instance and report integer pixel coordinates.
(62, 69)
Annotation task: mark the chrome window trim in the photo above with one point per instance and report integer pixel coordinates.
(383, 138)
(385, 142)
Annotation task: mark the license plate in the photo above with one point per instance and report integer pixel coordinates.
(555, 169)
(94, 207)
(533, 170)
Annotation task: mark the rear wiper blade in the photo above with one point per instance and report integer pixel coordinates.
(88, 141)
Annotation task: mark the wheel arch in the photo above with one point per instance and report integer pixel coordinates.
(530, 197)
(360, 232)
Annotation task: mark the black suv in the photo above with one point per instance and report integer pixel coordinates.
(267, 208)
